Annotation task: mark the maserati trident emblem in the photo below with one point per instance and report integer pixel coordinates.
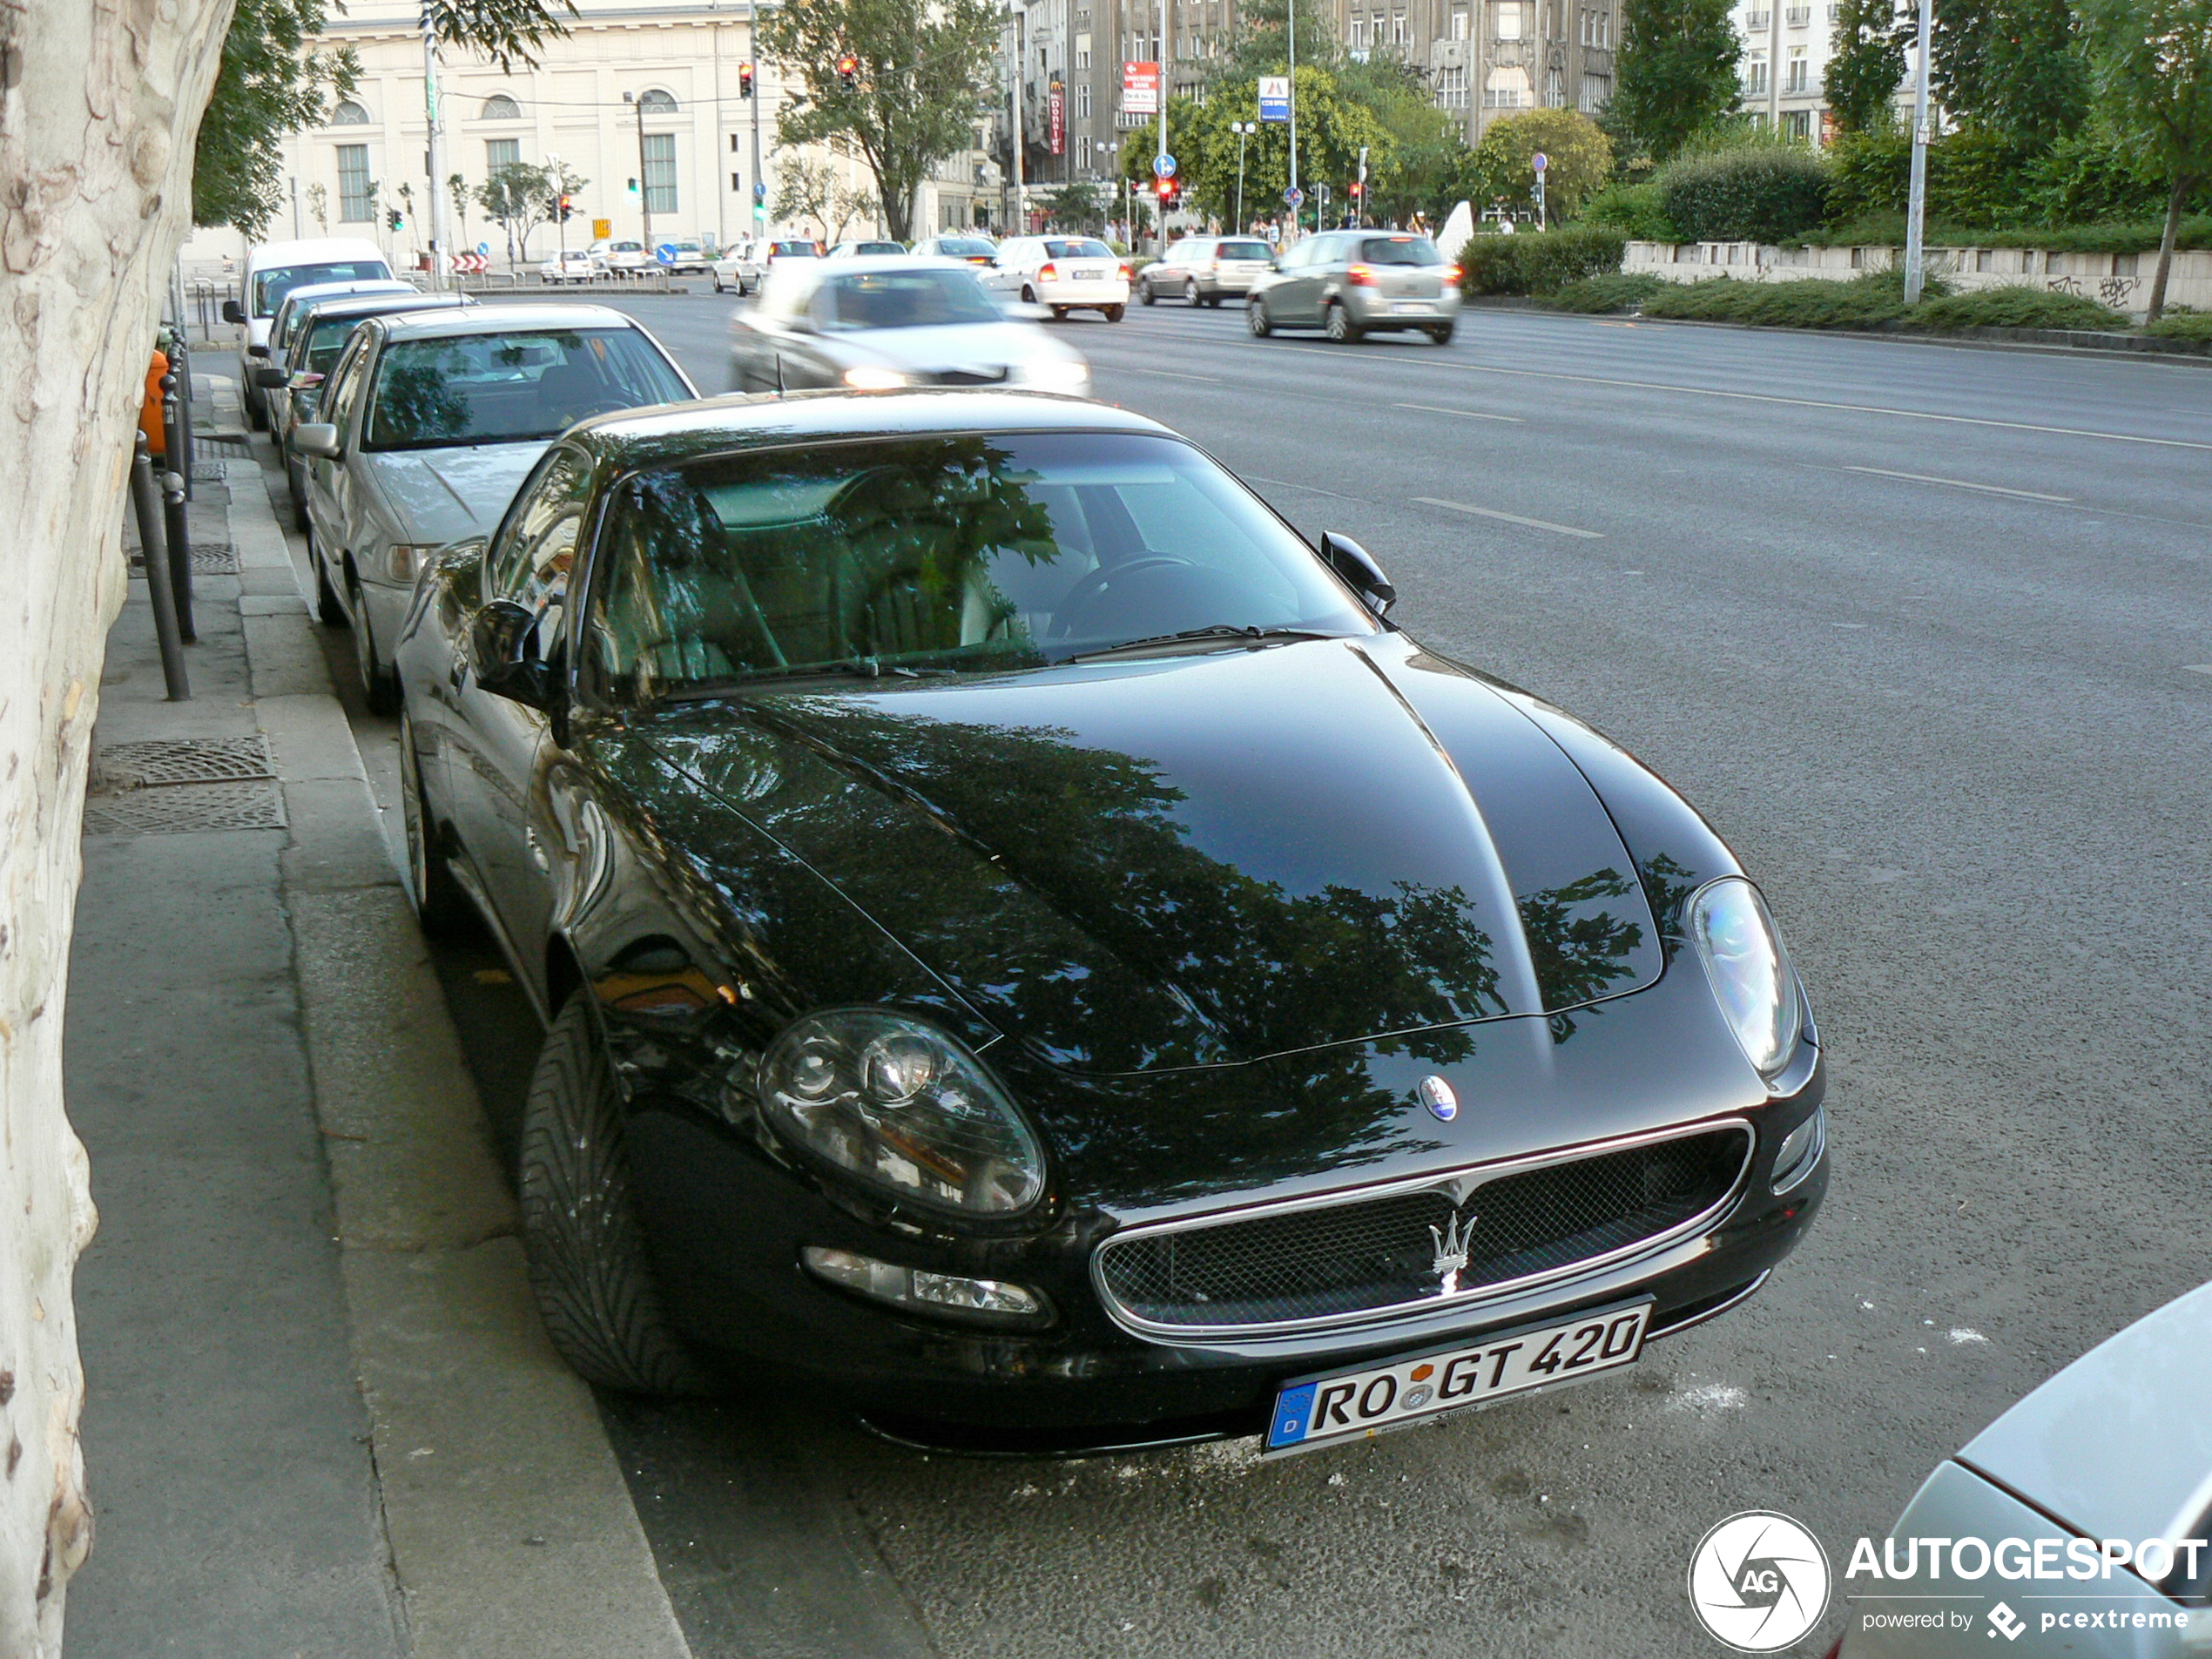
(1451, 1252)
(1436, 1094)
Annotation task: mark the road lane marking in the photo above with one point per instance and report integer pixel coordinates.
(2198, 668)
(1471, 415)
(1131, 368)
(1512, 518)
(1960, 483)
(1787, 402)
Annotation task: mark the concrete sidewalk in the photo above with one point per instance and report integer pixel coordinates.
(321, 1416)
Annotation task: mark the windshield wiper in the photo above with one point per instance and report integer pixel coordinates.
(1218, 630)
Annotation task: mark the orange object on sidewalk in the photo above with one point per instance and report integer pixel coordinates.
(150, 411)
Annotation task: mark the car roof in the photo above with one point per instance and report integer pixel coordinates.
(371, 304)
(313, 250)
(499, 320)
(673, 432)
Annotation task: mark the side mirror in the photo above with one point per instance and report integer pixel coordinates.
(498, 647)
(256, 351)
(1357, 566)
(272, 380)
(233, 312)
(317, 438)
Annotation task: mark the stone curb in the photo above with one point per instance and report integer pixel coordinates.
(511, 1528)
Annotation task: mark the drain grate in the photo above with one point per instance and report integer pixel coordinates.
(181, 807)
(158, 761)
(218, 558)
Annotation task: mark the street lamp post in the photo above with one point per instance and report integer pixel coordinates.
(430, 149)
(1244, 130)
(645, 188)
(1916, 212)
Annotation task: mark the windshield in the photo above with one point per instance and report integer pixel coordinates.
(919, 299)
(1073, 248)
(512, 387)
(1400, 250)
(966, 553)
(270, 285)
(789, 249)
(1244, 251)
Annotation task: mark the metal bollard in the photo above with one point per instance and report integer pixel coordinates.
(146, 503)
(181, 365)
(178, 533)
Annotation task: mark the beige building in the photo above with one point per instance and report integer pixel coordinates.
(641, 97)
(1485, 58)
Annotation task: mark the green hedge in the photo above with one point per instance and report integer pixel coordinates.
(1599, 294)
(1874, 299)
(1887, 230)
(1634, 210)
(1540, 261)
(1760, 193)
(2182, 325)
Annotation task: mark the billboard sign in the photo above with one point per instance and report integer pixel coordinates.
(1056, 116)
(1140, 89)
(1275, 97)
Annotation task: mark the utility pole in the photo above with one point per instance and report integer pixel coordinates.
(1289, 42)
(430, 110)
(1244, 130)
(1916, 211)
(560, 224)
(297, 232)
(760, 182)
(1167, 80)
(645, 186)
(1020, 215)
(1774, 68)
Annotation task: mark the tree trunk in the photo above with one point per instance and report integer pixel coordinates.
(100, 104)
(2173, 204)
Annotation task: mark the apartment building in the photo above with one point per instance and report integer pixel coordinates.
(1484, 59)
(1785, 63)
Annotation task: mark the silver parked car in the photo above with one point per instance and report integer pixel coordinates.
(1205, 270)
(2083, 1514)
(293, 384)
(865, 250)
(430, 420)
(1350, 283)
(746, 266)
(879, 324)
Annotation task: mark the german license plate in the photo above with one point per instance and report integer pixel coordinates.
(1403, 306)
(1085, 273)
(1358, 1405)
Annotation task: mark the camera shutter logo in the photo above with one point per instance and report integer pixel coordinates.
(1758, 1581)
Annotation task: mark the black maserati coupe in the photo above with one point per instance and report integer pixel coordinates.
(1028, 947)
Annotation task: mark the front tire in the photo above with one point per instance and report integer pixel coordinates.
(380, 687)
(589, 1272)
(1441, 335)
(1148, 295)
(1190, 292)
(1255, 320)
(1340, 327)
(440, 906)
(328, 612)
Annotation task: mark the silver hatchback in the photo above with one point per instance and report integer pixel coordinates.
(1205, 270)
(1352, 283)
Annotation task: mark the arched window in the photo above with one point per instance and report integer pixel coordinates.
(657, 101)
(348, 114)
(500, 107)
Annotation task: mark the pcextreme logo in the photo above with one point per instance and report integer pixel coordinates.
(1758, 1581)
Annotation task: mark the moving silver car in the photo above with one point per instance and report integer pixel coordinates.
(430, 423)
(1352, 283)
(1205, 270)
(878, 324)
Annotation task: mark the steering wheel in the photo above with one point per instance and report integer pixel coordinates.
(1085, 590)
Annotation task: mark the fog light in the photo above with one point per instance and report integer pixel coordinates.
(912, 1287)
(1800, 1151)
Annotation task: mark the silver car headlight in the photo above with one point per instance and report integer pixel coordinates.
(1057, 374)
(403, 561)
(1749, 971)
(868, 377)
(904, 1107)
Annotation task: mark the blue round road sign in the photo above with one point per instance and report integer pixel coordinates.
(1293, 197)
(484, 248)
(760, 192)
(1164, 165)
(666, 253)
(1540, 161)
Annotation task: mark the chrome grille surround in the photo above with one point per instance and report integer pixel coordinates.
(1391, 1222)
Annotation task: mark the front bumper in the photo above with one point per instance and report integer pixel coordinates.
(726, 1227)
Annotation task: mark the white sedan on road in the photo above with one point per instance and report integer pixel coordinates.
(1065, 273)
(573, 265)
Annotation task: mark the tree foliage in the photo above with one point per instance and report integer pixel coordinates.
(1579, 155)
(1865, 63)
(2015, 67)
(1332, 127)
(1677, 73)
(810, 188)
(2153, 61)
(271, 82)
(521, 198)
(924, 77)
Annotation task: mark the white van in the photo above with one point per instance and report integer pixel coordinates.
(273, 270)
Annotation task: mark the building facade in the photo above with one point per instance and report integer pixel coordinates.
(642, 98)
(1784, 67)
(1485, 58)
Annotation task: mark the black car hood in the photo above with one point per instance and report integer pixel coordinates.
(1198, 859)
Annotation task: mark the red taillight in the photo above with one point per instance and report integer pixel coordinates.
(1127, 275)
(1047, 272)
(1361, 276)
(1451, 274)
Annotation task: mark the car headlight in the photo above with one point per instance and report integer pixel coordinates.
(403, 559)
(1057, 374)
(867, 377)
(904, 1107)
(1748, 969)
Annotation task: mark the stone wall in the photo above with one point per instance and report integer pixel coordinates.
(2122, 281)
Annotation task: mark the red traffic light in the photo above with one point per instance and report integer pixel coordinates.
(1358, 190)
(848, 70)
(1165, 189)
(745, 80)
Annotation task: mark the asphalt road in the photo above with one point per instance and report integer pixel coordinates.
(1923, 631)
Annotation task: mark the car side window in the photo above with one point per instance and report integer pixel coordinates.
(529, 562)
(346, 382)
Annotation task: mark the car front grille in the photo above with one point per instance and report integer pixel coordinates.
(1350, 1258)
(969, 377)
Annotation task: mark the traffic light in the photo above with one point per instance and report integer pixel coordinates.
(394, 219)
(745, 80)
(1356, 189)
(567, 206)
(848, 72)
(1166, 189)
